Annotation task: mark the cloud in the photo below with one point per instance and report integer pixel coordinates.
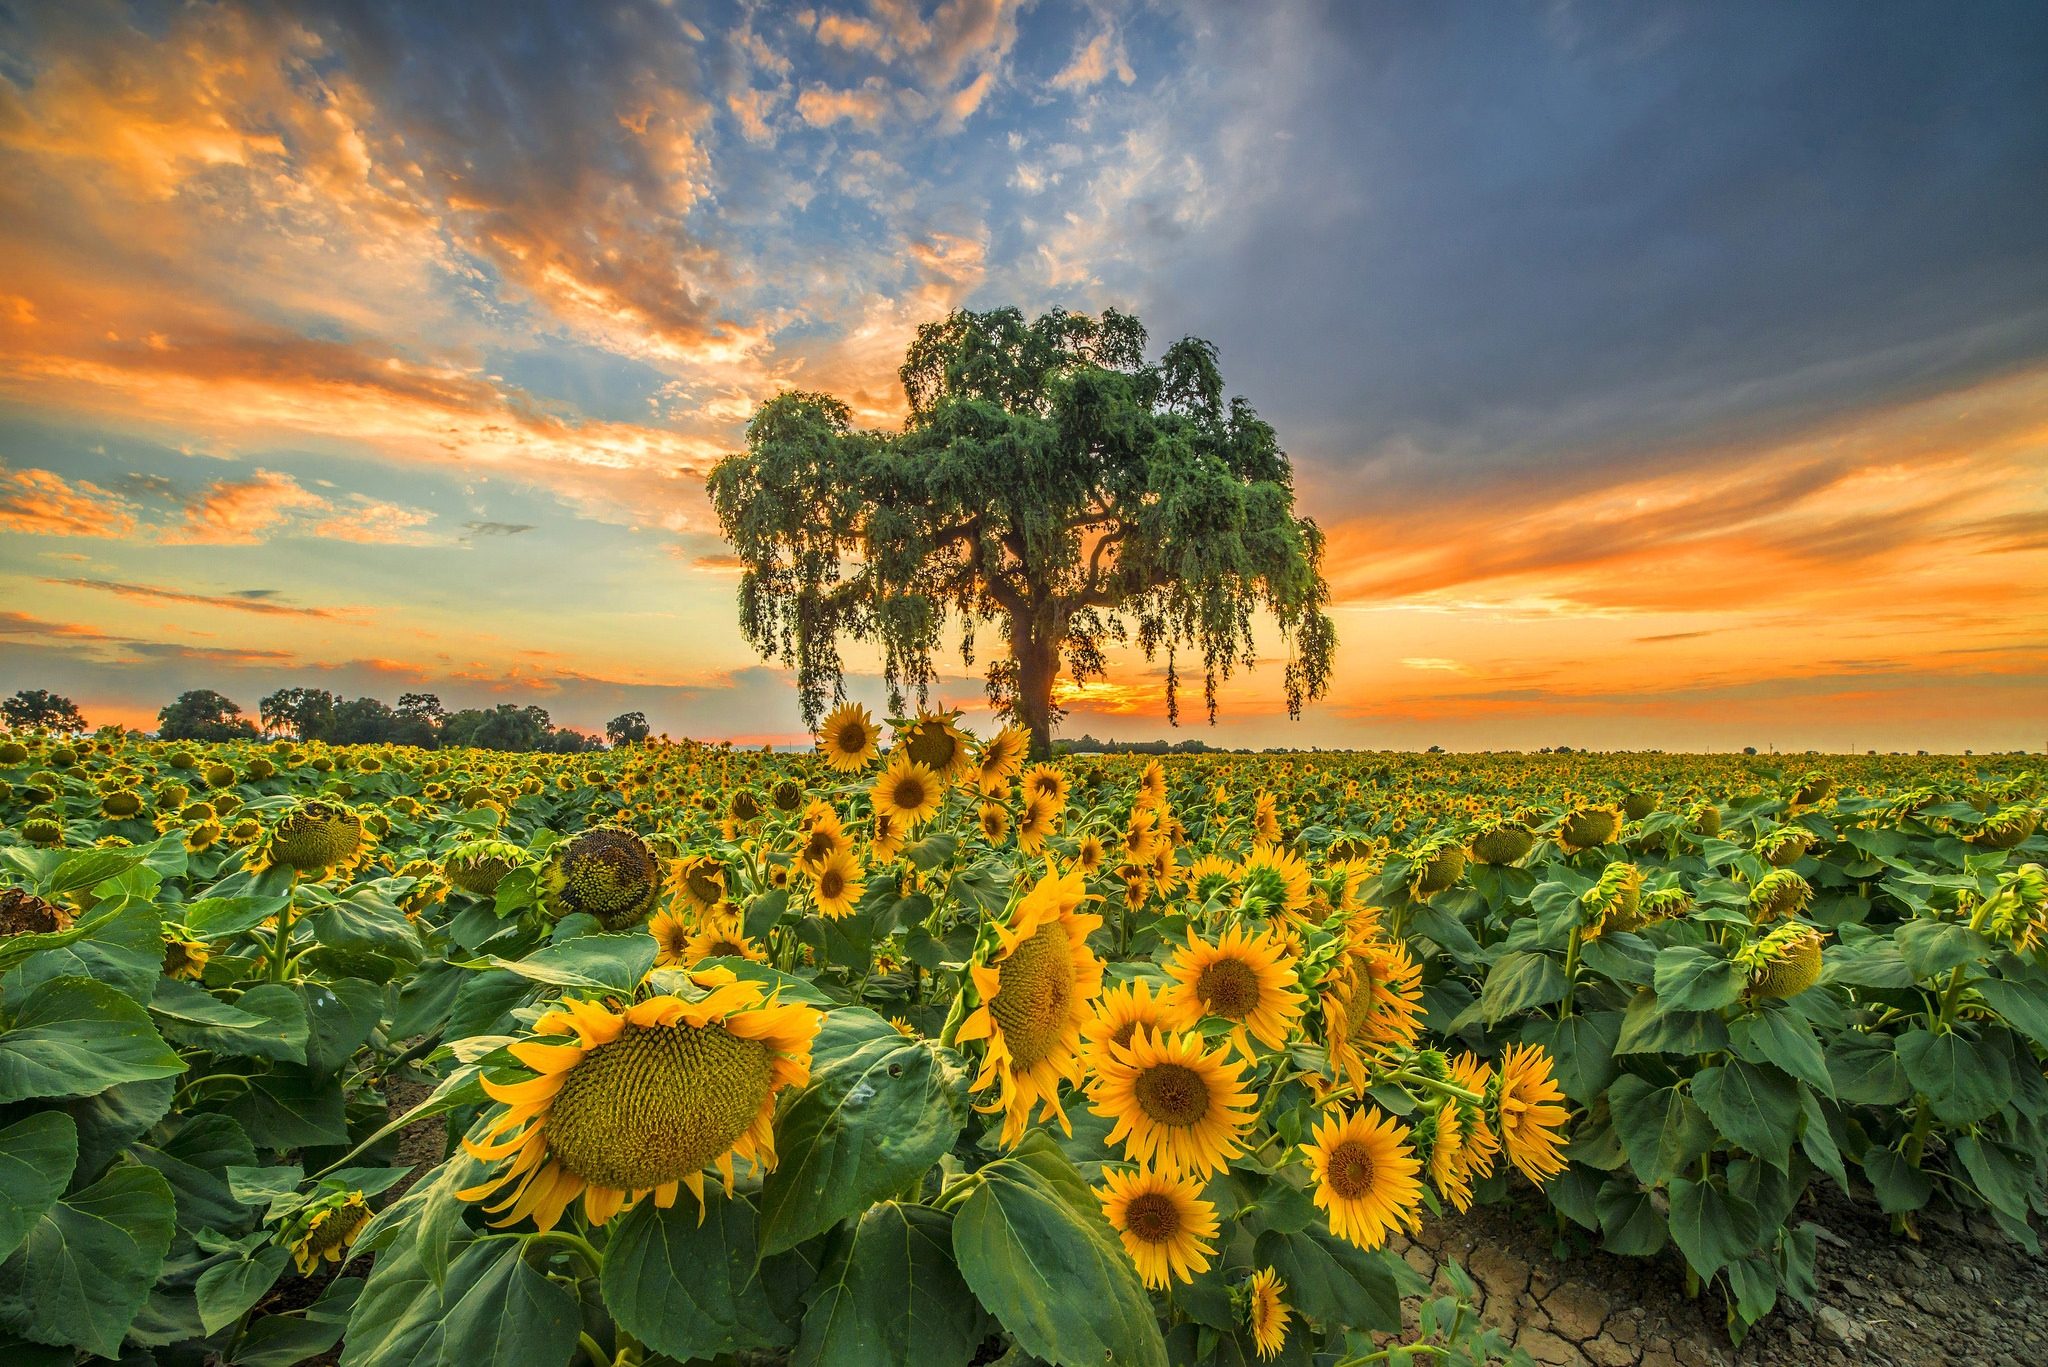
(377, 524)
(499, 528)
(40, 503)
(243, 512)
(1093, 64)
(822, 107)
(236, 602)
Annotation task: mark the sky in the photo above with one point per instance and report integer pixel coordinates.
(1664, 375)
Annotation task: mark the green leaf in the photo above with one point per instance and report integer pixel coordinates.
(397, 1318)
(1817, 1139)
(340, 1016)
(90, 868)
(290, 1109)
(217, 918)
(1898, 1186)
(890, 1293)
(509, 1315)
(283, 1341)
(1931, 947)
(36, 1159)
(1776, 1035)
(195, 1162)
(1875, 964)
(1333, 1282)
(125, 950)
(2003, 1175)
(1697, 978)
(227, 1289)
(610, 963)
(87, 1265)
(1755, 1108)
(1621, 957)
(1581, 1049)
(2023, 1005)
(862, 1128)
(1629, 1220)
(108, 1120)
(366, 923)
(1866, 1070)
(16, 949)
(1059, 1282)
(1518, 982)
(1661, 1128)
(1963, 1081)
(1709, 1226)
(932, 851)
(685, 1288)
(267, 1021)
(1646, 1028)
(74, 1037)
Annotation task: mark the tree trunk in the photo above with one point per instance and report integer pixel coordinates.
(1037, 653)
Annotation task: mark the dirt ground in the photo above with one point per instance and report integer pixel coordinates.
(1962, 1295)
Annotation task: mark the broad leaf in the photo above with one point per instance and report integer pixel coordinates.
(1964, 1081)
(74, 1037)
(1333, 1282)
(1518, 982)
(1697, 978)
(1629, 1222)
(1581, 1049)
(340, 1015)
(1647, 1028)
(689, 1288)
(1782, 1037)
(265, 1022)
(2024, 1005)
(614, 963)
(1661, 1128)
(1931, 947)
(228, 1289)
(508, 1315)
(88, 1263)
(1755, 1108)
(289, 1109)
(890, 1293)
(36, 1159)
(1898, 1186)
(1711, 1227)
(124, 950)
(1866, 1070)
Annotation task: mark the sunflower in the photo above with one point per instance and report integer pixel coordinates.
(1035, 986)
(1365, 1176)
(644, 1100)
(1090, 854)
(1784, 963)
(1163, 1222)
(1165, 869)
(1478, 1143)
(1266, 817)
(935, 742)
(313, 836)
(1152, 785)
(701, 880)
(1448, 1165)
(721, 940)
(885, 836)
(1275, 881)
(185, 958)
(1589, 827)
(1042, 780)
(837, 885)
(1209, 875)
(1265, 1313)
(1380, 1008)
(1242, 978)
(848, 739)
(479, 866)
(994, 822)
(607, 872)
(907, 790)
(1175, 1105)
(1778, 894)
(1526, 1115)
(672, 936)
(1120, 1012)
(999, 758)
(329, 1233)
(824, 837)
(1039, 820)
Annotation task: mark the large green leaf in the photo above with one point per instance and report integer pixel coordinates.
(1661, 1128)
(508, 1315)
(890, 1293)
(366, 923)
(267, 1021)
(1647, 1028)
(1866, 1069)
(216, 918)
(290, 1108)
(1333, 1282)
(36, 1159)
(1898, 1186)
(1581, 1049)
(1783, 1037)
(88, 1263)
(860, 1130)
(1756, 1108)
(689, 1288)
(1963, 1080)
(74, 1037)
(228, 1289)
(1711, 1227)
(397, 1320)
(1931, 947)
(1630, 1224)
(613, 963)
(109, 1120)
(1518, 982)
(195, 1161)
(1697, 978)
(340, 1015)
(1057, 1281)
(2024, 1005)
(125, 950)
(2002, 1174)
(90, 868)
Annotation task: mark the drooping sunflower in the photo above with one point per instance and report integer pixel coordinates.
(1209, 875)
(672, 940)
(479, 866)
(1526, 1114)
(644, 1100)
(1163, 1221)
(994, 823)
(907, 790)
(1379, 1008)
(312, 836)
(1589, 827)
(1176, 1105)
(1266, 817)
(185, 958)
(837, 885)
(1120, 1012)
(933, 741)
(1243, 978)
(885, 836)
(328, 1234)
(1042, 780)
(849, 738)
(1275, 881)
(1035, 985)
(1478, 1144)
(1779, 894)
(701, 879)
(999, 758)
(607, 872)
(1784, 963)
(1037, 823)
(1365, 1176)
(1152, 785)
(1265, 1312)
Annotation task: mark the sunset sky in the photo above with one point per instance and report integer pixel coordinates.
(1665, 376)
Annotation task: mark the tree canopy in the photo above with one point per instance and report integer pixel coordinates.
(204, 715)
(33, 707)
(1050, 480)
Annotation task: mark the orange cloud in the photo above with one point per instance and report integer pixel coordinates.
(243, 512)
(378, 524)
(259, 605)
(40, 503)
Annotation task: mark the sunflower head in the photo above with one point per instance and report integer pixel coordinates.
(185, 958)
(1037, 822)
(1265, 1312)
(1274, 881)
(1177, 1105)
(479, 866)
(1365, 1175)
(1000, 757)
(328, 1231)
(1435, 865)
(607, 872)
(907, 790)
(1043, 780)
(1502, 842)
(1783, 963)
(1639, 804)
(936, 743)
(722, 939)
(1243, 978)
(24, 913)
(1813, 788)
(1704, 820)
(1526, 1115)
(1779, 894)
(1615, 902)
(1163, 1221)
(788, 795)
(994, 823)
(701, 879)
(1785, 846)
(672, 940)
(1090, 854)
(848, 739)
(644, 1099)
(1589, 828)
(122, 804)
(314, 836)
(837, 885)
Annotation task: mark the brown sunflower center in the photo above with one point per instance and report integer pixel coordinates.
(831, 883)
(656, 1104)
(705, 885)
(1172, 1094)
(852, 738)
(723, 948)
(1229, 988)
(1351, 1170)
(1034, 993)
(1122, 1034)
(334, 1226)
(818, 845)
(910, 793)
(932, 746)
(1153, 1216)
(675, 939)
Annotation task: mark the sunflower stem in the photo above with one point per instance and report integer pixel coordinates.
(577, 1246)
(593, 1351)
(280, 959)
(1571, 971)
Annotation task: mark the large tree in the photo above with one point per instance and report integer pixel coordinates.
(33, 707)
(204, 715)
(1049, 480)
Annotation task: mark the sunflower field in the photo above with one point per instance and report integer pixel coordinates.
(907, 1051)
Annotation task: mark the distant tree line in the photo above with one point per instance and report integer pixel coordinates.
(200, 714)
